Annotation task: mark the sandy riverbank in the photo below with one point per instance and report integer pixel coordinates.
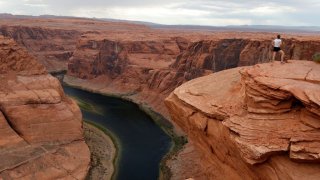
(103, 153)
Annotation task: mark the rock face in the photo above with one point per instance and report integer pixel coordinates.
(95, 57)
(151, 69)
(128, 67)
(52, 47)
(41, 133)
(217, 55)
(259, 122)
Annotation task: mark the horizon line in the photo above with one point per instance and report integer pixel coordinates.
(154, 23)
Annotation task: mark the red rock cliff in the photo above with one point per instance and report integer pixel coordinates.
(152, 69)
(217, 55)
(139, 69)
(52, 47)
(41, 134)
(259, 122)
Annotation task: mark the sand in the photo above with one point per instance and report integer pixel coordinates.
(103, 152)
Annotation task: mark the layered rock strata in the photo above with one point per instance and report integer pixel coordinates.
(217, 55)
(259, 122)
(139, 69)
(51, 47)
(41, 133)
(152, 69)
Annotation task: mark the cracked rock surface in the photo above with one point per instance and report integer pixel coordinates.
(258, 122)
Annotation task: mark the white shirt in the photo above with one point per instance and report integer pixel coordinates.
(277, 42)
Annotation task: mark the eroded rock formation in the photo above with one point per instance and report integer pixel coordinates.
(259, 122)
(51, 47)
(41, 133)
(151, 69)
(138, 68)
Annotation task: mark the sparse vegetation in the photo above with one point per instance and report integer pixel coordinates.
(316, 57)
(86, 106)
(116, 144)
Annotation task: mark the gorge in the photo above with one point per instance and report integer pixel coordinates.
(145, 65)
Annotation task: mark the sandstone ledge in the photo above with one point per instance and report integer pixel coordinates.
(266, 115)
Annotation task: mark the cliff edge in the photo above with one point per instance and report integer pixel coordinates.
(41, 133)
(258, 122)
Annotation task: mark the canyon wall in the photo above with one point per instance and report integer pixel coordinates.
(41, 133)
(217, 55)
(51, 47)
(136, 59)
(259, 122)
(139, 69)
(148, 71)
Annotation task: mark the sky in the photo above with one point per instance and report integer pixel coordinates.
(181, 12)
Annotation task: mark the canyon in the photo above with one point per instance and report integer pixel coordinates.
(146, 65)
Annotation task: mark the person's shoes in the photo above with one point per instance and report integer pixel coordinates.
(282, 62)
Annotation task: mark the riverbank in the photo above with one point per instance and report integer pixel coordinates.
(178, 141)
(103, 149)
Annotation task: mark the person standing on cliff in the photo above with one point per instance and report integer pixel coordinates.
(277, 48)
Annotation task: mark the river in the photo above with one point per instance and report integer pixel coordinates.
(142, 144)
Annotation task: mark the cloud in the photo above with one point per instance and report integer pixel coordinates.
(202, 12)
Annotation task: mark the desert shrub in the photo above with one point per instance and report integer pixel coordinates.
(316, 57)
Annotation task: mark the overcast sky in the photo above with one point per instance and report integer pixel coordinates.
(197, 12)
